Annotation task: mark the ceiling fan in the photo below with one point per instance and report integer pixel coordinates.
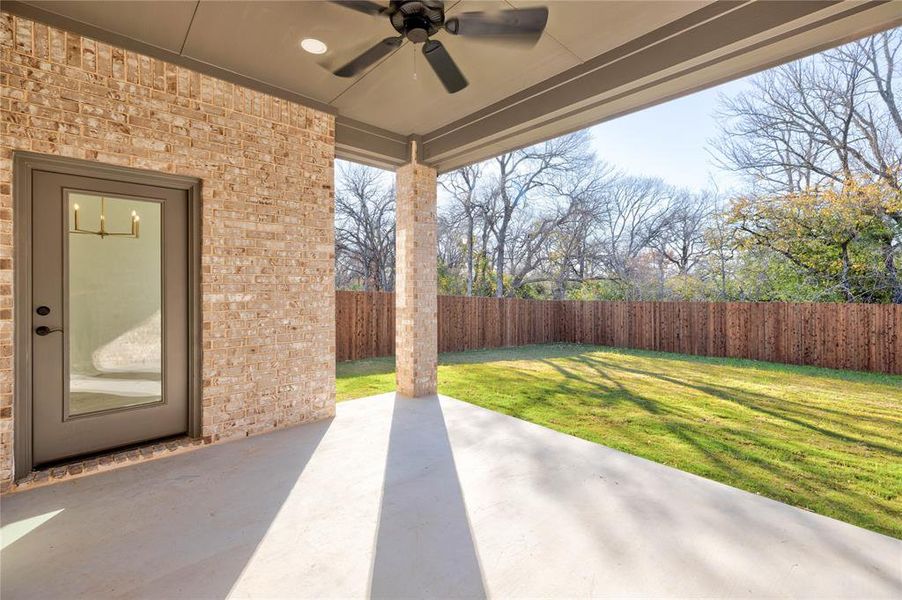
(419, 20)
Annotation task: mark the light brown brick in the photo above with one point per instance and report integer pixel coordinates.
(416, 281)
(267, 243)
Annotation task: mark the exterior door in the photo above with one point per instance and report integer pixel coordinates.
(110, 314)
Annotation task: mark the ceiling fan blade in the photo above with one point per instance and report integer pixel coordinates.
(524, 25)
(380, 50)
(443, 65)
(364, 6)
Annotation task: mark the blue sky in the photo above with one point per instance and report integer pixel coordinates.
(669, 141)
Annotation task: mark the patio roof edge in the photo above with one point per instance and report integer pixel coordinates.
(585, 96)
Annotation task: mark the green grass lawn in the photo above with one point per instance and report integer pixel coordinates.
(828, 441)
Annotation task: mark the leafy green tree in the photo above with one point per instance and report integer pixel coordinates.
(834, 235)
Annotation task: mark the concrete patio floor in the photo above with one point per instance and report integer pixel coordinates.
(431, 497)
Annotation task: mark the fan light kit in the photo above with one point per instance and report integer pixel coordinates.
(314, 46)
(418, 20)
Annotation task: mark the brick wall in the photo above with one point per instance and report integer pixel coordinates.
(268, 247)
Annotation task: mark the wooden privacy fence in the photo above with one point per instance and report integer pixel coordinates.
(862, 337)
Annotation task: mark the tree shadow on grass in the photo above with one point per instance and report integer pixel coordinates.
(734, 452)
(619, 392)
(529, 352)
(738, 365)
(772, 456)
(772, 407)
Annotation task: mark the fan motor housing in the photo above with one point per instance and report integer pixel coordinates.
(417, 19)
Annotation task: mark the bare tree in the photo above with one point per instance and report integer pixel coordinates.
(529, 239)
(681, 240)
(462, 185)
(818, 120)
(572, 252)
(635, 215)
(452, 251)
(364, 228)
(518, 176)
(720, 236)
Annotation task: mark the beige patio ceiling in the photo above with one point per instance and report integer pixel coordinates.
(595, 61)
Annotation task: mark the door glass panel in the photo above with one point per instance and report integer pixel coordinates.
(114, 328)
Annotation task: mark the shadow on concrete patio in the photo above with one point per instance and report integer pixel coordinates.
(426, 498)
(424, 543)
(181, 527)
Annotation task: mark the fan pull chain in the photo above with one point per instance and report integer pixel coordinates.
(415, 63)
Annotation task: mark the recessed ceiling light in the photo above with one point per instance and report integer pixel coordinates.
(313, 46)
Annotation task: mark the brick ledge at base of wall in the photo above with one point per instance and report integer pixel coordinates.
(133, 455)
(105, 462)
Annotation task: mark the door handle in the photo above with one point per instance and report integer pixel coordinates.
(44, 330)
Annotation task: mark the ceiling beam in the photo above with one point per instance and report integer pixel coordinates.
(370, 145)
(721, 42)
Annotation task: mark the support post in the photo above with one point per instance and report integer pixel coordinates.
(416, 280)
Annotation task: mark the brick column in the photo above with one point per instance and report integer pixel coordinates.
(416, 281)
